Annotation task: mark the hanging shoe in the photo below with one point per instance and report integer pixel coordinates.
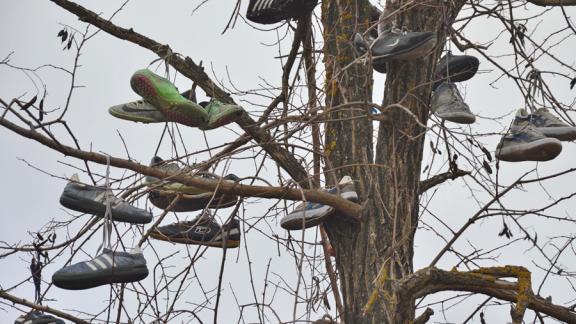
(203, 230)
(447, 104)
(220, 114)
(107, 268)
(551, 126)
(138, 111)
(92, 200)
(362, 46)
(163, 95)
(525, 143)
(36, 317)
(310, 214)
(273, 11)
(395, 45)
(455, 68)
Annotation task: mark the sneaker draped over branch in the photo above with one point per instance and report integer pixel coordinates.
(107, 268)
(162, 94)
(273, 11)
(92, 200)
(309, 214)
(447, 104)
(524, 142)
(168, 189)
(203, 230)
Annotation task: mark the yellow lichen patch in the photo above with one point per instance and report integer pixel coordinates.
(329, 148)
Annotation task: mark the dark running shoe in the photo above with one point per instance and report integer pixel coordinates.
(36, 317)
(203, 230)
(525, 143)
(273, 11)
(455, 68)
(362, 46)
(395, 45)
(551, 126)
(107, 268)
(447, 104)
(92, 200)
(310, 214)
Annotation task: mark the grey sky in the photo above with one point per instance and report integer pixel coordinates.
(30, 198)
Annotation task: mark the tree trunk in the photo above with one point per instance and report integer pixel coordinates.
(387, 180)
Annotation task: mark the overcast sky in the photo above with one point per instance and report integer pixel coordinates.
(29, 197)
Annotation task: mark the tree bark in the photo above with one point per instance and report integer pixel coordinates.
(387, 180)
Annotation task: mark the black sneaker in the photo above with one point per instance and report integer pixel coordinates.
(107, 268)
(273, 11)
(92, 200)
(361, 45)
(203, 230)
(455, 68)
(36, 317)
(395, 45)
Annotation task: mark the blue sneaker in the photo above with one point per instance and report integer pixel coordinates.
(311, 214)
(525, 143)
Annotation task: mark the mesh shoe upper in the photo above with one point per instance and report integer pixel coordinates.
(447, 103)
(220, 114)
(543, 118)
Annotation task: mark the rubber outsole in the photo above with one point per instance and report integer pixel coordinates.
(99, 278)
(230, 243)
(544, 149)
(566, 133)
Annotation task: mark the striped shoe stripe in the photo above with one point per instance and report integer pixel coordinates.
(267, 4)
(92, 266)
(108, 258)
(100, 263)
(257, 5)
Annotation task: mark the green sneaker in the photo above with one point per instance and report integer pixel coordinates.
(138, 111)
(162, 94)
(220, 114)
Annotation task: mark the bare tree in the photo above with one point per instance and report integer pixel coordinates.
(317, 126)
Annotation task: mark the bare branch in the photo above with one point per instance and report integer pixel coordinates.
(441, 178)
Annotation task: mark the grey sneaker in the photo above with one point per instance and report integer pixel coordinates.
(311, 214)
(36, 317)
(138, 111)
(174, 187)
(92, 200)
(551, 126)
(525, 143)
(447, 103)
(107, 268)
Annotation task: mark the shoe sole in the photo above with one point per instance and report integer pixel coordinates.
(89, 206)
(412, 53)
(135, 117)
(459, 118)
(230, 243)
(566, 133)
(146, 89)
(544, 149)
(99, 278)
(466, 73)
